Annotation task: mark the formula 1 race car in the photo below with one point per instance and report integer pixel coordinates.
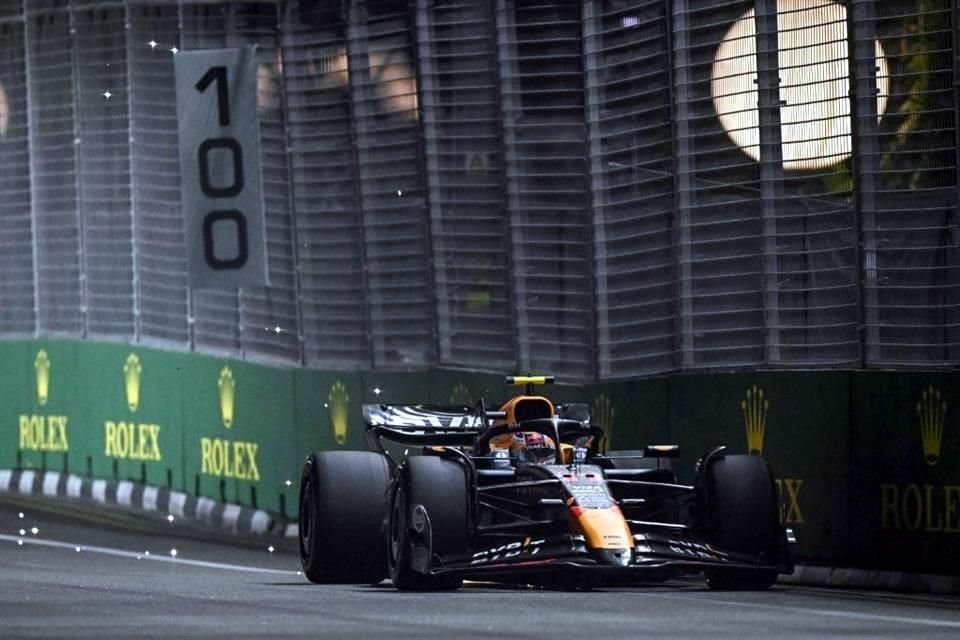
(525, 495)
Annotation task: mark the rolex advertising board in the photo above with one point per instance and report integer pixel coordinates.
(632, 414)
(906, 489)
(457, 387)
(394, 387)
(449, 386)
(18, 393)
(238, 433)
(798, 421)
(866, 463)
(134, 407)
(328, 412)
(49, 432)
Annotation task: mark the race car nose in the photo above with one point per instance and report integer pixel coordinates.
(615, 557)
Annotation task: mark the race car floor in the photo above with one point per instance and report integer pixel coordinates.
(70, 574)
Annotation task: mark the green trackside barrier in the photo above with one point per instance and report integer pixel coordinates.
(905, 485)
(214, 427)
(328, 415)
(130, 407)
(46, 428)
(18, 397)
(798, 421)
(394, 387)
(867, 463)
(455, 386)
(632, 413)
(239, 432)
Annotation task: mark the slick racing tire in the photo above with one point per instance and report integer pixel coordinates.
(344, 502)
(440, 486)
(743, 516)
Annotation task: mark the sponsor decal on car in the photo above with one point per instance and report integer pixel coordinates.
(516, 549)
(696, 550)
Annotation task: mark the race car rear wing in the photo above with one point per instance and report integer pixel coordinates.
(459, 425)
(424, 424)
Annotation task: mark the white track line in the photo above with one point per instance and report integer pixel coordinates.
(159, 557)
(853, 615)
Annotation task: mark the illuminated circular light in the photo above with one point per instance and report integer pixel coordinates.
(814, 83)
(173, 553)
(4, 123)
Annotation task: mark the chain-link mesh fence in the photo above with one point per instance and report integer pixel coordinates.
(602, 189)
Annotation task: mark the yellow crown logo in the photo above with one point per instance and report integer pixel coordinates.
(131, 380)
(337, 401)
(931, 411)
(603, 414)
(755, 419)
(460, 395)
(42, 365)
(227, 387)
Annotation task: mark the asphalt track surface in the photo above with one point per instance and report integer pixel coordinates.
(86, 573)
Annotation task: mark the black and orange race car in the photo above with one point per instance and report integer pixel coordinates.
(525, 494)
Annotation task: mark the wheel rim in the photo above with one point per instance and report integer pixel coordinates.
(396, 526)
(306, 519)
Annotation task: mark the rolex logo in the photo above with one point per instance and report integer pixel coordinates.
(755, 419)
(42, 366)
(460, 395)
(337, 401)
(131, 380)
(603, 414)
(931, 411)
(227, 386)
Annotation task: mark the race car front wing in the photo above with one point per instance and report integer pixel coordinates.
(651, 552)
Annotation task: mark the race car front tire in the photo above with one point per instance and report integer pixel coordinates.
(344, 502)
(440, 486)
(743, 516)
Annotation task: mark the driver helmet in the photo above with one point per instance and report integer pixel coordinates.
(533, 446)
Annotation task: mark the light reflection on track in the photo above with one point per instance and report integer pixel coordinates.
(143, 555)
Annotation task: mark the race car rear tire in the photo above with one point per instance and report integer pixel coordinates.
(344, 502)
(743, 516)
(440, 486)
